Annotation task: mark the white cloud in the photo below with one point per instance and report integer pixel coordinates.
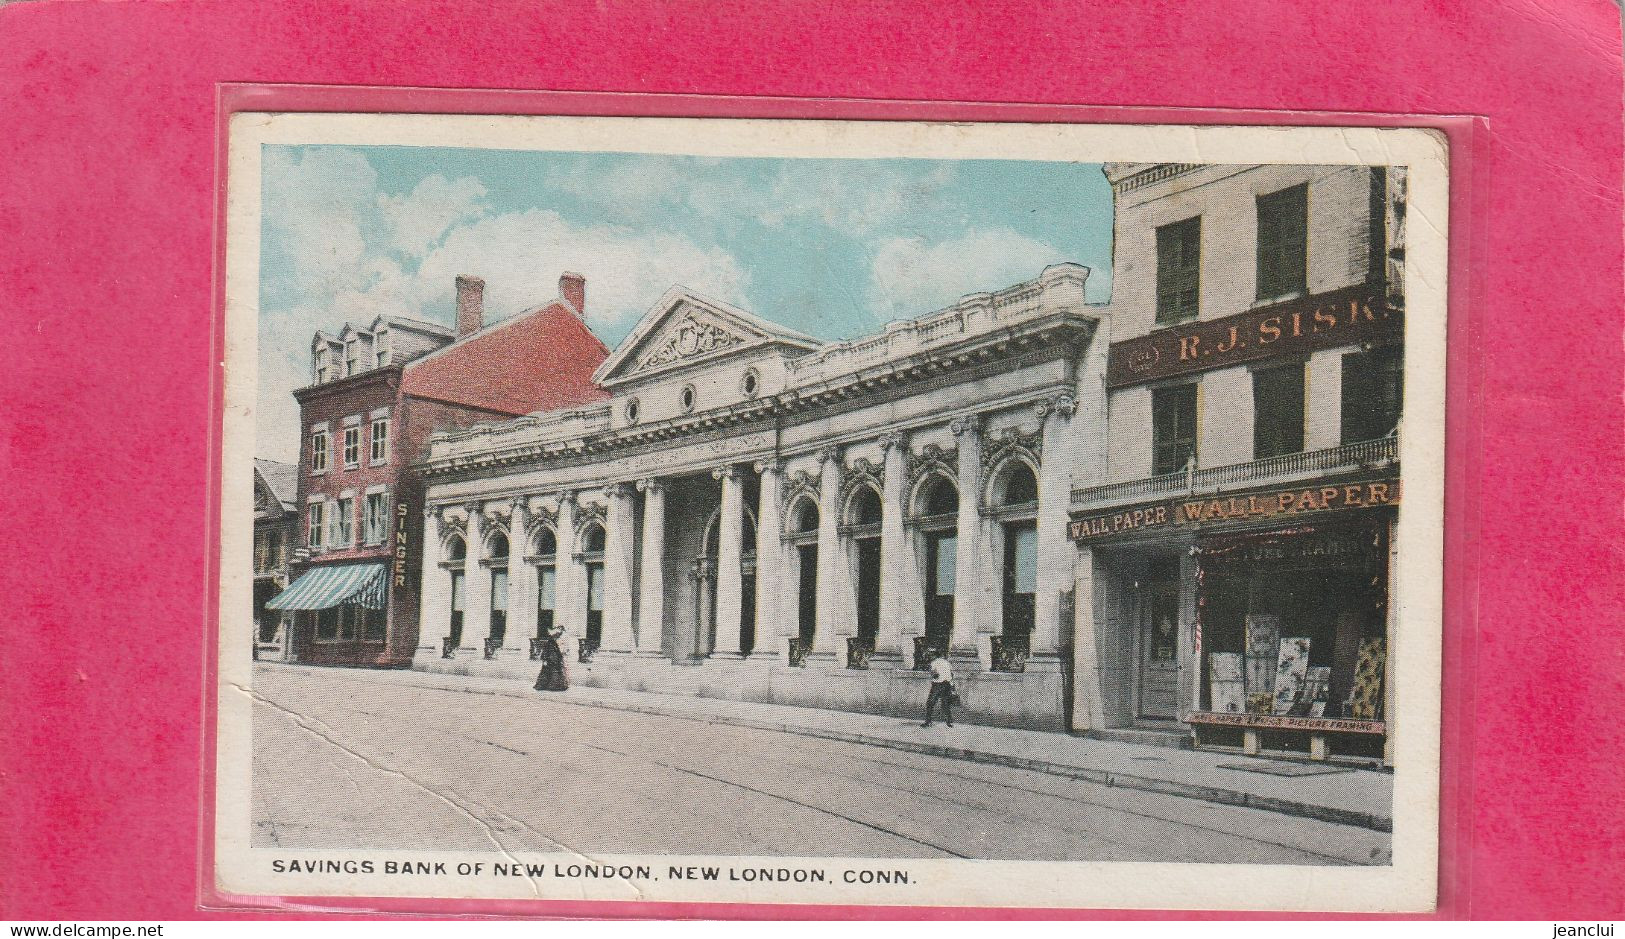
(418, 219)
(317, 211)
(913, 276)
(521, 254)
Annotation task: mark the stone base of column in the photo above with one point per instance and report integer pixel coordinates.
(879, 661)
(1044, 662)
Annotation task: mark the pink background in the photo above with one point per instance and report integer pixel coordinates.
(109, 394)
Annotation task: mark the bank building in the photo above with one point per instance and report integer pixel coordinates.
(1083, 505)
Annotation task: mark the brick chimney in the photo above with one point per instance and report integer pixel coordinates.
(470, 304)
(573, 288)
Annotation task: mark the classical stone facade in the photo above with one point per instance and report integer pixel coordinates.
(755, 514)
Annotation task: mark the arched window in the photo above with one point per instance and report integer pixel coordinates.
(592, 551)
(1017, 485)
(941, 497)
(806, 517)
(804, 539)
(1016, 489)
(496, 550)
(864, 513)
(456, 555)
(547, 582)
(937, 509)
(864, 509)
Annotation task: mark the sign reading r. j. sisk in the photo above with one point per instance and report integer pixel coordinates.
(1321, 321)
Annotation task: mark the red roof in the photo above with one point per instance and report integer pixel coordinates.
(540, 360)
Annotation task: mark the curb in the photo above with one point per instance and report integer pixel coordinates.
(1170, 787)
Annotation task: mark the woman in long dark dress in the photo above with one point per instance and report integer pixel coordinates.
(552, 676)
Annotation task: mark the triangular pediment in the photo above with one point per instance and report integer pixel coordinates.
(685, 329)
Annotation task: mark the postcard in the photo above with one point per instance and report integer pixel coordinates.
(831, 512)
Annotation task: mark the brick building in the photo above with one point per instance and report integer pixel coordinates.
(376, 395)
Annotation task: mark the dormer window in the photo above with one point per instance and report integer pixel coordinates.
(352, 357)
(322, 366)
(381, 342)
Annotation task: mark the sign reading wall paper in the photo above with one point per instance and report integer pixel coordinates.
(1291, 670)
(1365, 702)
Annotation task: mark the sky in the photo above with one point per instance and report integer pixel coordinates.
(834, 248)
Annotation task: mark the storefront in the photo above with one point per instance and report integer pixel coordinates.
(1256, 619)
(335, 607)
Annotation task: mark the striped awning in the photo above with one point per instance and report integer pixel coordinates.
(322, 588)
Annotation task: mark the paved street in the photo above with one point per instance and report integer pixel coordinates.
(351, 759)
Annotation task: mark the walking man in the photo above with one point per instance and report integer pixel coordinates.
(942, 689)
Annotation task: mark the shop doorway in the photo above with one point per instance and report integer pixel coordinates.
(1159, 657)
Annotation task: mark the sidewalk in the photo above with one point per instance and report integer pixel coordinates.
(1347, 796)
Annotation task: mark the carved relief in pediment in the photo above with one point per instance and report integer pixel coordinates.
(689, 339)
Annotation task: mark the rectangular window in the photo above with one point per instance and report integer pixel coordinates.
(318, 452)
(381, 342)
(327, 624)
(343, 529)
(321, 366)
(546, 589)
(374, 518)
(316, 515)
(499, 591)
(1024, 558)
(1278, 411)
(595, 588)
(262, 553)
(458, 593)
(352, 447)
(374, 626)
(1179, 270)
(273, 549)
(947, 557)
(1283, 242)
(1373, 388)
(1173, 428)
(380, 441)
(352, 362)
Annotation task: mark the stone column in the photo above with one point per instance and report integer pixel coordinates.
(434, 589)
(569, 599)
(970, 609)
(705, 576)
(619, 552)
(1190, 653)
(521, 580)
(771, 569)
(730, 585)
(902, 613)
(829, 616)
(1055, 550)
(652, 579)
(1088, 698)
(476, 582)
